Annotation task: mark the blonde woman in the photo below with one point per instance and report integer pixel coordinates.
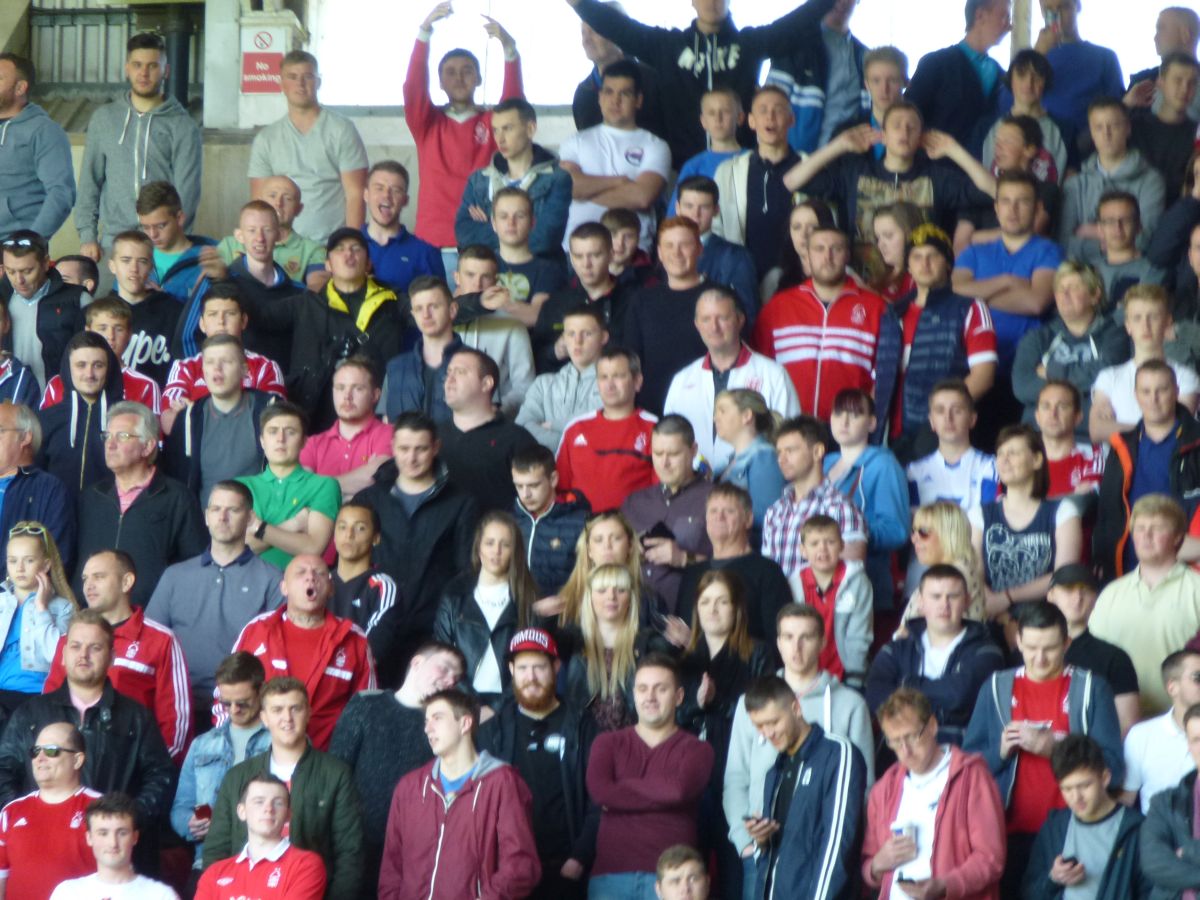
(36, 605)
(606, 539)
(741, 419)
(941, 533)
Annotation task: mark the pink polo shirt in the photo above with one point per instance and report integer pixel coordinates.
(328, 453)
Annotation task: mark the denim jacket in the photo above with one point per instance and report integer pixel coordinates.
(40, 631)
(207, 761)
(757, 470)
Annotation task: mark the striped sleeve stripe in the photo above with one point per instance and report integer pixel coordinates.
(837, 825)
(387, 598)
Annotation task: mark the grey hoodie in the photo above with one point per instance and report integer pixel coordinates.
(37, 178)
(828, 703)
(1082, 193)
(125, 150)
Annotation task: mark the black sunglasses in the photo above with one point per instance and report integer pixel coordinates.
(51, 750)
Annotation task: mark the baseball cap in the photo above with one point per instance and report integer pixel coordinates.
(1074, 574)
(346, 233)
(533, 640)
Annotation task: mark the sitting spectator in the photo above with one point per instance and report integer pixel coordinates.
(728, 364)
(415, 379)
(482, 609)
(806, 833)
(955, 471)
(1019, 148)
(37, 602)
(208, 599)
(155, 313)
(1028, 78)
(1091, 846)
(1156, 750)
(110, 317)
(361, 592)
(728, 525)
(517, 162)
(742, 420)
(217, 439)
(557, 398)
(681, 874)
(358, 443)
(302, 258)
(934, 819)
(1166, 844)
(427, 523)
(491, 847)
(874, 482)
(795, 265)
(125, 751)
(328, 654)
(139, 509)
(1177, 30)
(1078, 343)
(293, 507)
(940, 335)
(550, 524)
(609, 449)
(660, 320)
(637, 823)
(265, 807)
(1023, 713)
(398, 257)
(380, 736)
(667, 515)
(800, 446)
(51, 816)
(1114, 166)
(31, 494)
(892, 227)
(42, 309)
(325, 814)
(149, 664)
(1117, 258)
(1150, 611)
(722, 262)
(1165, 133)
(114, 833)
(1157, 456)
(944, 655)
(941, 533)
(239, 679)
(830, 302)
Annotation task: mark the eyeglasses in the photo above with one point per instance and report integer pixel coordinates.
(52, 751)
(923, 533)
(123, 437)
(907, 741)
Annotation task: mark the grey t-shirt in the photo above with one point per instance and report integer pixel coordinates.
(229, 446)
(1092, 844)
(27, 346)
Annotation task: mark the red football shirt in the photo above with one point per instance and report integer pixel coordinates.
(29, 827)
(1035, 791)
(287, 872)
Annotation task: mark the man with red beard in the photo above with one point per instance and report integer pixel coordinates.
(548, 742)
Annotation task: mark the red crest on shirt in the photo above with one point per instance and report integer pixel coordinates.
(858, 315)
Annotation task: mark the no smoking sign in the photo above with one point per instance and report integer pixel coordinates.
(263, 40)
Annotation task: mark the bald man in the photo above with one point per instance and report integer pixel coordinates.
(301, 258)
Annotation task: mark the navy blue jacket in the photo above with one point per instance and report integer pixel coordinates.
(550, 540)
(37, 496)
(804, 74)
(1170, 856)
(947, 90)
(404, 383)
(59, 317)
(1122, 878)
(730, 264)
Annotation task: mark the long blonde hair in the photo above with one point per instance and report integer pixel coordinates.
(948, 521)
(573, 591)
(609, 683)
(36, 531)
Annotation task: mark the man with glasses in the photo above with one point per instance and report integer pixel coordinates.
(140, 510)
(239, 679)
(50, 816)
(935, 821)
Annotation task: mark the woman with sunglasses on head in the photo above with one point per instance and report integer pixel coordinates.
(36, 605)
(941, 533)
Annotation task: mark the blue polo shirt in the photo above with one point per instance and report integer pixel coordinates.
(403, 258)
(992, 259)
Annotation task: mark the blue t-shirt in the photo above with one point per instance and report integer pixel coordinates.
(403, 258)
(454, 785)
(985, 67)
(12, 676)
(703, 163)
(1151, 475)
(989, 260)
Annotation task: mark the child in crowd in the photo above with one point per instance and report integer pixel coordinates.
(529, 279)
(721, 115)
(1029, 77)
(630, 265)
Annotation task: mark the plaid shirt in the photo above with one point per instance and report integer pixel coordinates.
(787, 515)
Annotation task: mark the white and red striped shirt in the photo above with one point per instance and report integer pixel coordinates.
(1084, 465)
(138, 387)
(186, 381)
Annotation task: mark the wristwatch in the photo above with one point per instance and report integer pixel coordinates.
(261, 531)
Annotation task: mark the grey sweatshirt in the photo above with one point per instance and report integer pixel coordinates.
(37, 178)
(126, 149)
(1082, 192)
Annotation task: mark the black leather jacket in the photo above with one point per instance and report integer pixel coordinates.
(459, 621)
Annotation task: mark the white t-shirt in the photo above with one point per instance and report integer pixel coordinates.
(91, 887)
(1156, 757)
(970, 482)
(1116, 383)
(934, 659)
(604, 150)
(918, 807)
(492, 600)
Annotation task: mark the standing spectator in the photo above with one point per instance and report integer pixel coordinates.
(17, 381)
(722, 262)
(1156, 750)
(742, 420)
(935, 820)
(557, 398)
(957, 88)
(415, 378)
(1028, 78)
(320, 150)
(601, 52)
(302, 258)
(1117, 258)
(51, 816)
(1168, 848)
(1166, 133)
(209, 598)
(800, 446)
(648, 780)
(955, 470)
(36, 177)
(265, 807)
(380, 736)
(140, 510)
(941, 533)
(682, 874)
(328, 655)
(397, 256)
(114, 834)
(481, 804)
(1075, 467)
(550, 524)
(362, 593)
(324, 803)
(1176, 31)
(892, 226)
(31, 494)
(256, 271)
(293, 507)
(239, 679)
(455, 140)
(142, 137)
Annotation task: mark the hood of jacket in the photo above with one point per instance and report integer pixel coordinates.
(377, 295)
(1131, 168)
(484, 766)
(30, 116)
(543, 160)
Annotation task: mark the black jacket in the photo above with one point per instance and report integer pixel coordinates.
(498, 736)
(460, 622)
(271, 344)
(1122, 878)
(550, 539)
(549, 327)
(59, 316)
(1170, 856)
(181, 448)
(155, 321)
(162, 526)
(573, 681)
(125, 750)
(480, 460)
(37, 496)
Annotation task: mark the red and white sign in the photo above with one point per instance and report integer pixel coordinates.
(260, 73)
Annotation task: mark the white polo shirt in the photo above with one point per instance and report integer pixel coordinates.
(1156, 757)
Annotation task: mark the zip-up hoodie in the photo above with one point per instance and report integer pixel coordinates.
(126, 149)
(33, 144)
(185, 282)
(1082, 193)
(1123, 877)
(477, 843)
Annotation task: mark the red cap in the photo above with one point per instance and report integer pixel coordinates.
(534, 640)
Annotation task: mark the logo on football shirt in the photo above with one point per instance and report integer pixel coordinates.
(131, 650)
(635, 155)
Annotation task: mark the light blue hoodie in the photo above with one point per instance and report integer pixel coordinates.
(37, 179)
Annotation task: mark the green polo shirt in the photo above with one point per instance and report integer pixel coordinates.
(298, 256)
(278, 499)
